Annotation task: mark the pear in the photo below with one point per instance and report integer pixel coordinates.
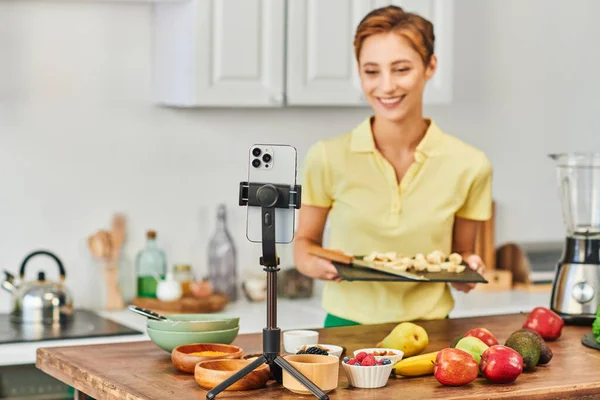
(406, 337)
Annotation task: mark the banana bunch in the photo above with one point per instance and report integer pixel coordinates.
(416, 365)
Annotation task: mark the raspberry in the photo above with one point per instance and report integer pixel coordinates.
(360, 356)
(369, 361)
(351, 361)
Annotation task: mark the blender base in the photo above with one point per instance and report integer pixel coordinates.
(576, 289)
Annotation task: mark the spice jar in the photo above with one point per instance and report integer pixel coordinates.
(183, 274)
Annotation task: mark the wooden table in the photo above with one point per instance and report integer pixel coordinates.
(143, 371)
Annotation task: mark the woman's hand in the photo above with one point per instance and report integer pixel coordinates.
(319, 268)
(475, 263)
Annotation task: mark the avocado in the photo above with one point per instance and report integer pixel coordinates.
(545, 352)
(456, 340)
(527, 346)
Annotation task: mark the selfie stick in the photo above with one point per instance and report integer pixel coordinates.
(268, 197)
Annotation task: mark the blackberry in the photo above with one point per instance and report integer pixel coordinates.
(314, 350)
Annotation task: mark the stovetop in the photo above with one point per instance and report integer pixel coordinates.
(84, 324)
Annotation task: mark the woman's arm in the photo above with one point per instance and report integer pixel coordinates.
(311, 224)
(463, 243)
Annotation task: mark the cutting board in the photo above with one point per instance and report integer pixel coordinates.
(351, 268)
(590, 341)
(353, 273)
(185, 305)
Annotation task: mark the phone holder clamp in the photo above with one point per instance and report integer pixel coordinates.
(268, 197)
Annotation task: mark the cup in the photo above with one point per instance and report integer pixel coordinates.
(294, 339)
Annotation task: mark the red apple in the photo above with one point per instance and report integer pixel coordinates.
(455, 367)
(501, 364)
(484, 335)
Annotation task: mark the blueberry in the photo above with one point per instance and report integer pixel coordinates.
(386, 361)
(357, 363)
(346, 359)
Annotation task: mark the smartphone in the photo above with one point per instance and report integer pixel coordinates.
(275, 164)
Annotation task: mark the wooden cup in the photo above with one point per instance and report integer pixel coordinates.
(323, 371)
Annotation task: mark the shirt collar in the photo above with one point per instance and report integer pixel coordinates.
(362, 139)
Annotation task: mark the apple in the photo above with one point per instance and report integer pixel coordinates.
(455, 367)
(501, 364)
(484, 335)
(473, 346)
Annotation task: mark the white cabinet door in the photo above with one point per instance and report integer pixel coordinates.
(321, 68)
(227, 53)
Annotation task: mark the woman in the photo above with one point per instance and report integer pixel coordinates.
(396, 182)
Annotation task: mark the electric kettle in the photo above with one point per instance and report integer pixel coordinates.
(39, 301)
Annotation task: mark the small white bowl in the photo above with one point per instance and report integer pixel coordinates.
(332, 349)
(372, 377)
(398, 354)
(294, 339)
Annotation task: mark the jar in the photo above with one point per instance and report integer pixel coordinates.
(182, 273)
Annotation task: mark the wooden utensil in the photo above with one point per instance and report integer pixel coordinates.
(106, 247)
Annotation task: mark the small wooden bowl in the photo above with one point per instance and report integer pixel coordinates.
(209, 374)
(186, 362)
(323, 371)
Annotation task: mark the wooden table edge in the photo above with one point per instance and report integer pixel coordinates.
(81, 380)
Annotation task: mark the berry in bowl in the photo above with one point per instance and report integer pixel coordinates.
(320, 349)
(392, 354)
(364, 371)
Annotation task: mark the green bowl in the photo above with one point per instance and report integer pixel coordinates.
(167, 340)
(195, 322)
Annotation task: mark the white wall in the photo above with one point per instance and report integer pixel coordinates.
(80, 138)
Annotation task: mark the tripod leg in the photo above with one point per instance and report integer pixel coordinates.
(235, 377)
(289, 368)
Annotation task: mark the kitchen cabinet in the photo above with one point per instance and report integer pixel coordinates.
(219, 53)
(272, 53)
(321, 66)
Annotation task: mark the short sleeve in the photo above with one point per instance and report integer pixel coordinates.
(316, 180)
(478, 204)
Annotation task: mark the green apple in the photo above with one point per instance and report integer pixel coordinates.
(473, 346)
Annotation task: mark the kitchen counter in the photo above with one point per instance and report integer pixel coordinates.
(142, 371)
(293, 314)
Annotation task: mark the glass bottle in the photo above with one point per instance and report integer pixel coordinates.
(182, 273)
(222, 269)
(151, 263)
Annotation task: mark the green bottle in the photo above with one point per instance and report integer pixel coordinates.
(151, 263)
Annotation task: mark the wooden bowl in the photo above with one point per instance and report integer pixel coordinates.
(323, 371)
(186, 362)
(209, 374)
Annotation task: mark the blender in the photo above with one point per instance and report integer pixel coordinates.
(575, 294)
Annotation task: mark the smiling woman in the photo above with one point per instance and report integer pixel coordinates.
(395, 183)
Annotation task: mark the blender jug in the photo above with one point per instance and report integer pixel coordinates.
(579, 187)
(577, 283)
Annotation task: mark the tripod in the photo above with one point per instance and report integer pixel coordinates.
(269, 197)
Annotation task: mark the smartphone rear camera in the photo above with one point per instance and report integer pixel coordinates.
(256, 163)
(256, 152)
(266, 158)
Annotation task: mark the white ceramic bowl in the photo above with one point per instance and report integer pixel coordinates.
(372, 377)
(332, 349)
(294, 339)
(398, 354)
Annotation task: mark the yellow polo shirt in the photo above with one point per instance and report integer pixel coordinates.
(369, 212)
